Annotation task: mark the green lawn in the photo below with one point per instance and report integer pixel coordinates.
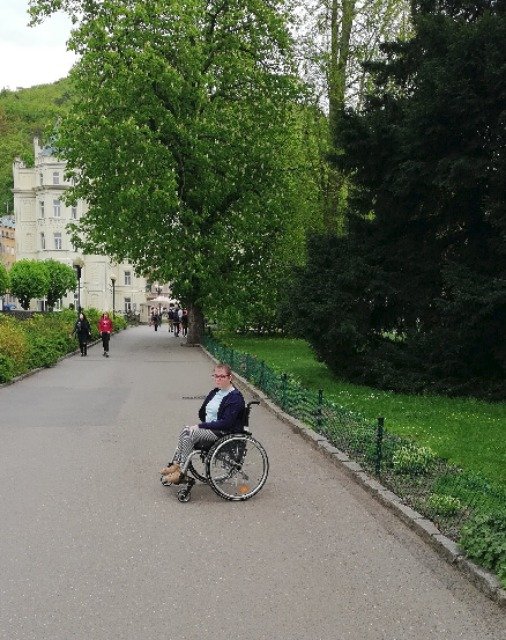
(468, 432)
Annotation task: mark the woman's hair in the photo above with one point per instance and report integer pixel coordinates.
(225, 367)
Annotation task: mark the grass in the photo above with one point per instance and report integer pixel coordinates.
(468, 432)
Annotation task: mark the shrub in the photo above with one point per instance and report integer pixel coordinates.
(413, 460)
(13, 344)
(444, 505)
(6, 368)
(483, 538)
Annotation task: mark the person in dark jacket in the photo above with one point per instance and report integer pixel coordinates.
(82, 331)
(222, 412)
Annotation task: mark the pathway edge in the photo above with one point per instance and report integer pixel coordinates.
(449, 550)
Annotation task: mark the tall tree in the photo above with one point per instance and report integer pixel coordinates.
(178, 136)
(426, 251)
(334, 39)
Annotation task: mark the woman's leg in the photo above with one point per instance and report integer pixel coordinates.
(188, 438)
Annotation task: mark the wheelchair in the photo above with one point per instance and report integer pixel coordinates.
(235, 466)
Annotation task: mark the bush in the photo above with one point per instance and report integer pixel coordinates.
(483, 538)
(413, 460)
(6, 368)
(444, 505)
(13, 344)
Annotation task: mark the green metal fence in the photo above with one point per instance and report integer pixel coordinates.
(445, 494)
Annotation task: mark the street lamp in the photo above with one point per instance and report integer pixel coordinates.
(113, 282)
(78, 266)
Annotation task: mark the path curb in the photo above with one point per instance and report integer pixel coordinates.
(485, 581)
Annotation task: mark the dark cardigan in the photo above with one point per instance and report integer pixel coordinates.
(230, 417)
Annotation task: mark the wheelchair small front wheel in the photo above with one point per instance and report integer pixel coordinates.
(183, 495)
(237, 467)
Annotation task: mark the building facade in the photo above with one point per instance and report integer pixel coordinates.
(7, 241)
(41, 219)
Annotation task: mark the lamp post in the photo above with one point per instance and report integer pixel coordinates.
(78, 266)
(113, 282)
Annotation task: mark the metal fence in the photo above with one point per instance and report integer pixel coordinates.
(442, 492)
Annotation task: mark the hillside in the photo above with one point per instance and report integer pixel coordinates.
(26, 113)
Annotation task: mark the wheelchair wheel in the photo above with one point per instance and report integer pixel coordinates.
(237, 467)
(197, 467)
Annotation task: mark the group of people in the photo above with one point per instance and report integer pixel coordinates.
(177, 318)
(82, 331)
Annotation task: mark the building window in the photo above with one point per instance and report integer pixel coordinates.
(57, 241)
(42, 241)
(74, 213)
(128, 305)
(41, 208)
(56, 177)
(128, 278)
(56, 208)
(41, 179)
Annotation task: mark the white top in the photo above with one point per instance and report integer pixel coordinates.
(214, 404)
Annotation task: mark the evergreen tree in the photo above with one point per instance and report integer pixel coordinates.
(428, 207)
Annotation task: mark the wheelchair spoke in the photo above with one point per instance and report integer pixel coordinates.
(237, 467)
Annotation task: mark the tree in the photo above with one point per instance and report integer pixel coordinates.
(334, 40)
(29, 279)
(62, 278)
(184, 111)
(4, 280)
(427, 208)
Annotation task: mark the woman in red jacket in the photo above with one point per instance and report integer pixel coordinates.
(105, 330)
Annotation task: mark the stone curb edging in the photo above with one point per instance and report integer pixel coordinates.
(448, 549)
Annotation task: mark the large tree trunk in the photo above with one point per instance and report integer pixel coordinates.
(195, 324)
(340, 26)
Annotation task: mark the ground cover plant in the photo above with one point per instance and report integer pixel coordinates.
(467, 432)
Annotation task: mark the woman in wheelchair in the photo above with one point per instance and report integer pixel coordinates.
(221, 413)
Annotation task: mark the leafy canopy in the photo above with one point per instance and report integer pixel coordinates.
(4, 280)
(184, 110)
(62, 278)
(29, 279)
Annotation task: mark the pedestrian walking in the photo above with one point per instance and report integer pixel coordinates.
(176, 321)
(184, 322)
(82, 331)
(105, 329)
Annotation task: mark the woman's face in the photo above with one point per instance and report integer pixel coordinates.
(222, 379)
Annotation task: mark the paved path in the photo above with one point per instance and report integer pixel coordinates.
(92, 547)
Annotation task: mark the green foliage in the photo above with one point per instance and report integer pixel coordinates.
(41, 340)
(468, 432)
(6, 368)
(4, 280)
(29, 279)
(62, 278)
(26, 113)
(199, 152)
(414, 298)
(444, 505)
(13, 345)
(483, 538)
(413, 460)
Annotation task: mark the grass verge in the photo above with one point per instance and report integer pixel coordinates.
(467, 432)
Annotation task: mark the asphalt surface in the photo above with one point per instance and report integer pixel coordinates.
(93, 547)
